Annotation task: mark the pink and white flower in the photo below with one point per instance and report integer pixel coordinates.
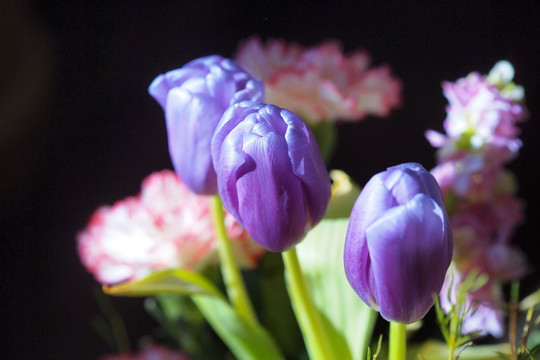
(166, 226)
(320, 83)
(482, 116)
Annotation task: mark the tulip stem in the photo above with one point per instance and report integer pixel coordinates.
(236, 289)
(315, 337)
(398, 341)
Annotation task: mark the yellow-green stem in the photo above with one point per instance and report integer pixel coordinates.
(452, 339)
(236, 289)
(315, 337)
(398, 341)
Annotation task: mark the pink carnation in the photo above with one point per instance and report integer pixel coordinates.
(166, 226)
(154, 352)
(320, 83)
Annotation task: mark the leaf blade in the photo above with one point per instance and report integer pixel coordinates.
(172, 281)
(350, 322)
(245, 339)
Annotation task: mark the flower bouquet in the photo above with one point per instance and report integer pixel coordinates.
(250, 241)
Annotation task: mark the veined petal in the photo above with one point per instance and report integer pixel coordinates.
(194, 98)
(189, 142)
(271, 207)
(398, 244)
(251, 150)
(308, 166)
(373, 201)
(409, 251)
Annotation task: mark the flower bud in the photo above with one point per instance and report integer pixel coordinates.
(271, 175)
(194, 97)
(399, 245)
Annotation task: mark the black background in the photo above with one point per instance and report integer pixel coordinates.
(79, 130)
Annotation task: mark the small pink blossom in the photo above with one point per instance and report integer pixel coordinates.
(493, 221)
(487, 318)
(485, 315)
(476, 103)
(481, 137)
(154, 352)
(166, 226)
(469, 177)
(482, 116)
(506, 263)
(320, 83)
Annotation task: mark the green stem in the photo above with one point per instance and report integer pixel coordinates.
(453, 334)
(398, 341)
(118, 328)
(315, 337)
(236, 289)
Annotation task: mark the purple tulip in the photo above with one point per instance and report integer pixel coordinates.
(194, 97)
(399, 245)
(271, 175)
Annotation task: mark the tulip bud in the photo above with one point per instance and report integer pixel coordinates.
(194, 97)
(399, 245)
(271, 175)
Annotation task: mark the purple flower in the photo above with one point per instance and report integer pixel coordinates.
(270, 172)
(194, 97)
(398, 244)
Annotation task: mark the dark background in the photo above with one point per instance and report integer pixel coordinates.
(79, 130)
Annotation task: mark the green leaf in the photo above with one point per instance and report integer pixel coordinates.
(326, 134)
(246, 340)
(176, 281)
(531, 301)
(276, 312)
(435, 350)
(348, 320)
(344, 194)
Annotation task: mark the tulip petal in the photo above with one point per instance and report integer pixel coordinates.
(251, 150)
(407, 180)
(409, 252)
(270, 204)
(374, 200)
(194, 99)
(189, 142)
(308, 166)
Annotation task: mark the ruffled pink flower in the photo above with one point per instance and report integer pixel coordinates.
(166, 226)
(154, 352)
(320, 83)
